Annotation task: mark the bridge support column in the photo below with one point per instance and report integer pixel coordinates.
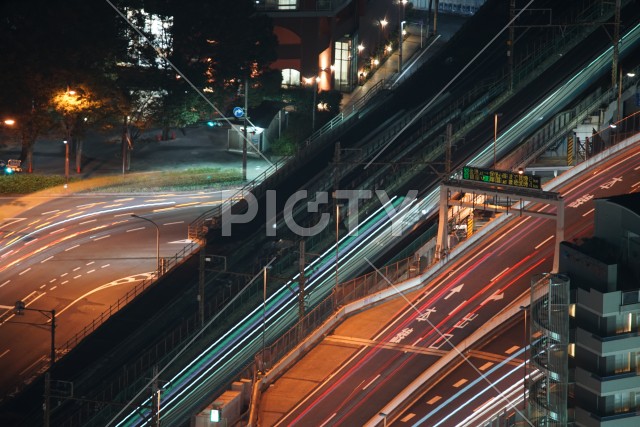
(442, 242)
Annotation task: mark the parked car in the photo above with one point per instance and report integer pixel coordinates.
(12, 166)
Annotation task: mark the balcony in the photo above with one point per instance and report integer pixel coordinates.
(606, 346)
(589, 419)
(607, 385)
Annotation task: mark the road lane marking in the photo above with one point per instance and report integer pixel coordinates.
(87, 222)
(24, 271)
(72, 247)
(486, 366)
(511, 349)
(543, 242)
(636, 184)
(91, 271)
(123, 281)
(79, 275)
(76, 269)
(63, 274)
(45, 260)
(588, 212)
(50, 212)
(135, 229)
(66, 281)
(90, 262)
(371, 382)
(52, 288)
(408, 417)
(60, 230)
(459, 383)
(5, 283)
(42, 286)
(433, 400)
(52, 280)
(105, 266)
(456, 309)
(328, 419)
(174, 223)
(484, 405)
(5, 352)
(499, 274)
(102, 237)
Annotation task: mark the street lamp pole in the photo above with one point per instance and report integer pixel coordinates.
(264, 315)
(401, 21)
(524, 379)
(66, 161)
(315, 94)
(630, 74)
(157, 241)
(495, 138)
(19, 310)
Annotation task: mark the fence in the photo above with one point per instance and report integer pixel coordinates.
(42, 364)
(342, 294)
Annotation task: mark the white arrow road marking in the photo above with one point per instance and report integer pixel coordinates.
(494, 297)
(455, 290)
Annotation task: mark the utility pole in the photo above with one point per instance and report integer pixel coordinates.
(336, 183)
(512, 11)
(155, 399)
(201, 286)
(447, 161)
(301, 281)
(616, 46)
(244, 140)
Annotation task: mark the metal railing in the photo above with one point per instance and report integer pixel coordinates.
(342, 294)
(42, 364)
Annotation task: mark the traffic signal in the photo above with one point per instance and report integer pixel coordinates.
(19, 307)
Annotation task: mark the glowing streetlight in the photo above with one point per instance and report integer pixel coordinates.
(157, 241)
(9, 122)
(630, 74)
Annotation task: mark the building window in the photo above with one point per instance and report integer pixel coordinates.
(345, 65)
(624, 402)
(290, 77)
(626, 323)
(282, 4)
(622, 363)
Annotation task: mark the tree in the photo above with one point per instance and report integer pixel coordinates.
(217, 45)
(49, 46)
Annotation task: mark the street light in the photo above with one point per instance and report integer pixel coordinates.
(495, 137)
(401, 20)
(19, 309)
(9, 122)
(630, 74)
(383, 23)
(157, 241)
(314, 81)
(384, 418)
(524, 379)
(66, 162)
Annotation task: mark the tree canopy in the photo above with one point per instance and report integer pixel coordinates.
(52, 47)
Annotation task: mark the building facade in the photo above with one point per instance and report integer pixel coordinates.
(317, 39)
(605, 291)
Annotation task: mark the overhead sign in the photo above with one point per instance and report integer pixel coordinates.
(238, 112)
(513, 179)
